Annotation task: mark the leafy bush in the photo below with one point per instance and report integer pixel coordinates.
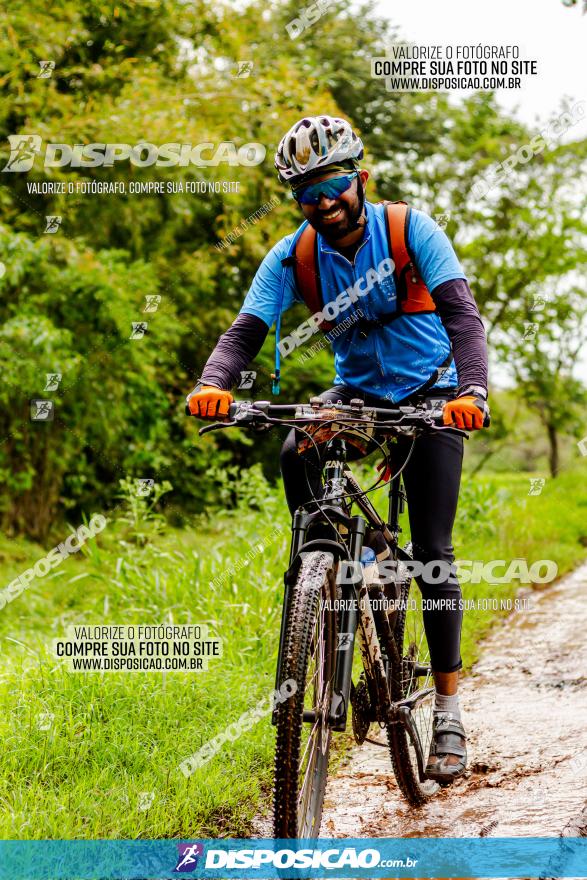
(139, 512)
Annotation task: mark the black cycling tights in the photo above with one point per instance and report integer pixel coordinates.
(432, 479)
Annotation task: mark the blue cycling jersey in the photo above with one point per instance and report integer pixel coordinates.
(393, 360)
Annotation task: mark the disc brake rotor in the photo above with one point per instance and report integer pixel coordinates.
(361, 710)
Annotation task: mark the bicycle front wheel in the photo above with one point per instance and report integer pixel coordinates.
(303, 732)
(414, 675)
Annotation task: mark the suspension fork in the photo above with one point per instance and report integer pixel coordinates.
(337, 478)
(347, 629)
(299, 529)
(332, 506)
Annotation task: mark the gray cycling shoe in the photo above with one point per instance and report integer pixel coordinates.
(448, 738)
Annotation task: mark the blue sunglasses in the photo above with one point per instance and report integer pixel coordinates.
(330, 189)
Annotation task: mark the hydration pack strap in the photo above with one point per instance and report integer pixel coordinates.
(438, 372)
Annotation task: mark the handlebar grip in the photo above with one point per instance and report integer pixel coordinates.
(487, 420)
(232, 409)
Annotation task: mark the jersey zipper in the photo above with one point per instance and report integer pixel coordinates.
(376, 349)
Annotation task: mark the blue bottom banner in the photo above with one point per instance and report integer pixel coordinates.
(520, 857)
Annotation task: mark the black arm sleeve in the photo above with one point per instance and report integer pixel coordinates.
(460, 316)
(234, 351)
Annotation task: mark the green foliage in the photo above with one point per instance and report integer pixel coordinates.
(479, 506)
(246, 490)
(154, 71)
(70, 311)
(543, 360)
(80, 748)
(574, 3)
(139, 509)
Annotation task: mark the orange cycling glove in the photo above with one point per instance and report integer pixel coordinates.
(467, 412)
(209, 402)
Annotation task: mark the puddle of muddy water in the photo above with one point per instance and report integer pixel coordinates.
(525, 709)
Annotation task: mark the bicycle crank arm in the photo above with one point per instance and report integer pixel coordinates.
(413, 701)
(419, 670)
(405, 718)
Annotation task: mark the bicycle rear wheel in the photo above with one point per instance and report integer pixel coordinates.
(303, 733)
(413, 675)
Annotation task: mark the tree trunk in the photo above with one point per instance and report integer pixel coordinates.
(553, 460)
(483, 461)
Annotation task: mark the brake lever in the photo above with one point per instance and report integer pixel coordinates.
(216, 426)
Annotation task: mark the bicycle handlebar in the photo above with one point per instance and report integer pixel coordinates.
(262, 412)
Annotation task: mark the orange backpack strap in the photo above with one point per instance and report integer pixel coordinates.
(412, 294)
(307, 272)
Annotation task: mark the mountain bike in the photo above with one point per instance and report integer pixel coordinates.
(328, 600)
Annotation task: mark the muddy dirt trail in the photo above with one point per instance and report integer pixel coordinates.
(525, 709)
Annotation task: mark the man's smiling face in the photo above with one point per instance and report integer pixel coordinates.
(336, 218)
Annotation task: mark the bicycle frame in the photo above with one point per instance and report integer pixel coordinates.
(357, 613)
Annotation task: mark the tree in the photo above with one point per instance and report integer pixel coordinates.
(161, 72)
(574, 3)
(543, 357)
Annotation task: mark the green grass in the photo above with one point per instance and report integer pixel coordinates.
(82, 752)
(504, 522)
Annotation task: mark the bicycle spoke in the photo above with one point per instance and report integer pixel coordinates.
(308, 743)
(415, 656)
(305, 793)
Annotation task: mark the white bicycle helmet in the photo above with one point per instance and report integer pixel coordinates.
(314, 142)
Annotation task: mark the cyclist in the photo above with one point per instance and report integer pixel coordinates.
(385, 355)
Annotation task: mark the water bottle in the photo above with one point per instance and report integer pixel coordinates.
(369, 564)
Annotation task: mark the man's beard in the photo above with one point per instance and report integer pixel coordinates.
(343, 227)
